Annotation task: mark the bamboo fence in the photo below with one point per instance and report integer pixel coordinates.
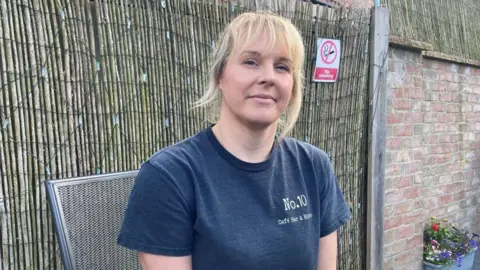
(451, 26)
(90, 87)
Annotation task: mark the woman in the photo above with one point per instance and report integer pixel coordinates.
(239, 194)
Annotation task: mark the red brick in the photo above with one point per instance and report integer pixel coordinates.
(419, 228)
(444, 199)
(393, 222)
(394, 143)
(453, 167)
(402, 156)
(472, 98)
(445, 117)
(446, 97)
(404, 207)
(476, 145)
(414, 117)
(409, 68)
(396, 93)
(418, 264)
(435, 149)
(388, 211)
(413, 217)
(441, 159)
(401, 104)
(448, 148)
(429, 160)
(418, 203)
(395, 118)
(442, 67)
(439, 87)
(444, 138)
(413, 142)
(438, 212)
(408, 79)
(418, 82)
(441, 127)
(414, 93)
(431, 139)
(415, 241)
(393, 169)
(453, 187)
(453, 108)
(412, 193)
(389, 264)
(417, 154)
(413, 167)
(389, 236)
(395, 248)
(437, 107)
(404, 182)
(393, 197)
(453, 86)
(459, 195)
(443, 76)
(430, 117)
(430, 64)
(403, 130)
(472, 117)
(403, 259)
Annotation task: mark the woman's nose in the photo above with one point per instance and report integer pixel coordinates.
(267, 75)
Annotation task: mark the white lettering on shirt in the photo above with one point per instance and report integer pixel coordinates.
(299, 202)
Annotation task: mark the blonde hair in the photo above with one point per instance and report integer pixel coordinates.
(243, 29)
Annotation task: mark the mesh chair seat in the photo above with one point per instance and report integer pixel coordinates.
(88, 212)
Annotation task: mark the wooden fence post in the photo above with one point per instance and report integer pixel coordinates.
(263, 4)
(379, 31)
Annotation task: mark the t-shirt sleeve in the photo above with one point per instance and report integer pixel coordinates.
(334, 212)
(158, 219)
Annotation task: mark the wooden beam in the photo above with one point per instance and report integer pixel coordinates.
(377, 131)
(450, 58)
(409, 44)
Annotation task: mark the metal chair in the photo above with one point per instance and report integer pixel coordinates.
(88, 212)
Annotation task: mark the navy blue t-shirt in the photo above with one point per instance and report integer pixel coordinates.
(196, 198)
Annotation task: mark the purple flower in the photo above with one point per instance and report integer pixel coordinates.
(473, 243)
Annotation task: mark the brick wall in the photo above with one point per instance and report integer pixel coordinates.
(433, 151)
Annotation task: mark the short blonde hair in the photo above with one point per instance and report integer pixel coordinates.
(243, 29)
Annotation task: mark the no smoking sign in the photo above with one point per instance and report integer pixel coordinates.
(328, 60)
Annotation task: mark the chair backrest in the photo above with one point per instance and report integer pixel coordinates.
(88, 212)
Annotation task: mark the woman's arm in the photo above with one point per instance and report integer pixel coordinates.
(160, 262)
(327, 252)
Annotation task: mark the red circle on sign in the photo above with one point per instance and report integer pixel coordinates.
(328, 48)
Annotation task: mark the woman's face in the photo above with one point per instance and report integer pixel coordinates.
(257, 83)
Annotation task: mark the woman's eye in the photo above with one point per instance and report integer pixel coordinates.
(283, 67)
(250, 62)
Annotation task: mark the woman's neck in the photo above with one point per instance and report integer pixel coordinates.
(246, 144)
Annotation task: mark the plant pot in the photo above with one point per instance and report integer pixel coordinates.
(467, 264)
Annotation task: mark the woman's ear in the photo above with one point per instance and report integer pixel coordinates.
(220, 81)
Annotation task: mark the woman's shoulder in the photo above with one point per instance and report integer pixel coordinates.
(182, 154)
(304, 149)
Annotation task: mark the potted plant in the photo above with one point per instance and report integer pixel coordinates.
(447, 247)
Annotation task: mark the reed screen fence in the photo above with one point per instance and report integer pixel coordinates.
(451, 26)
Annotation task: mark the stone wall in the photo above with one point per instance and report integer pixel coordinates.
(433, 151)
